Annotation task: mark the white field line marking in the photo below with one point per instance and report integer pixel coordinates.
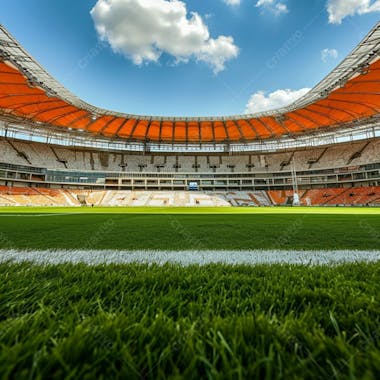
(185, 258)
(41, 215)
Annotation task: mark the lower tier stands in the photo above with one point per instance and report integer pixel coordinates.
(27, 196)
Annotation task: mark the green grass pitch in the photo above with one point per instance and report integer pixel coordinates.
(199, 322)
(190, 228)
(212, 322)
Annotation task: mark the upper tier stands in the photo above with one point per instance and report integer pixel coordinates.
(58, 157)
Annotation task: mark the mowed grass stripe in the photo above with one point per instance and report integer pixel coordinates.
(194, 232)
(214, 322)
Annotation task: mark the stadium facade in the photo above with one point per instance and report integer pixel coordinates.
(57, 149)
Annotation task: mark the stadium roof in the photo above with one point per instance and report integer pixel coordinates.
(347, 97)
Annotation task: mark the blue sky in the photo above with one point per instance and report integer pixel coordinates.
(164, 60)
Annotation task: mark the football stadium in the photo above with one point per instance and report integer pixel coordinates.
(165, 247)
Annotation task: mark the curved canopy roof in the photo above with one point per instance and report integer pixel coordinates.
(348, 96)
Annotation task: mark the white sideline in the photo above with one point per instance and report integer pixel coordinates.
(35, 215)
(185, 258)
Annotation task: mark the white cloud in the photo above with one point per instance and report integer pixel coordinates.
(260, 101)
(280, 9)
(232, 2)
(326, 54)
(143, 30)
(339, 9)
(264, 2)
(275, 6)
